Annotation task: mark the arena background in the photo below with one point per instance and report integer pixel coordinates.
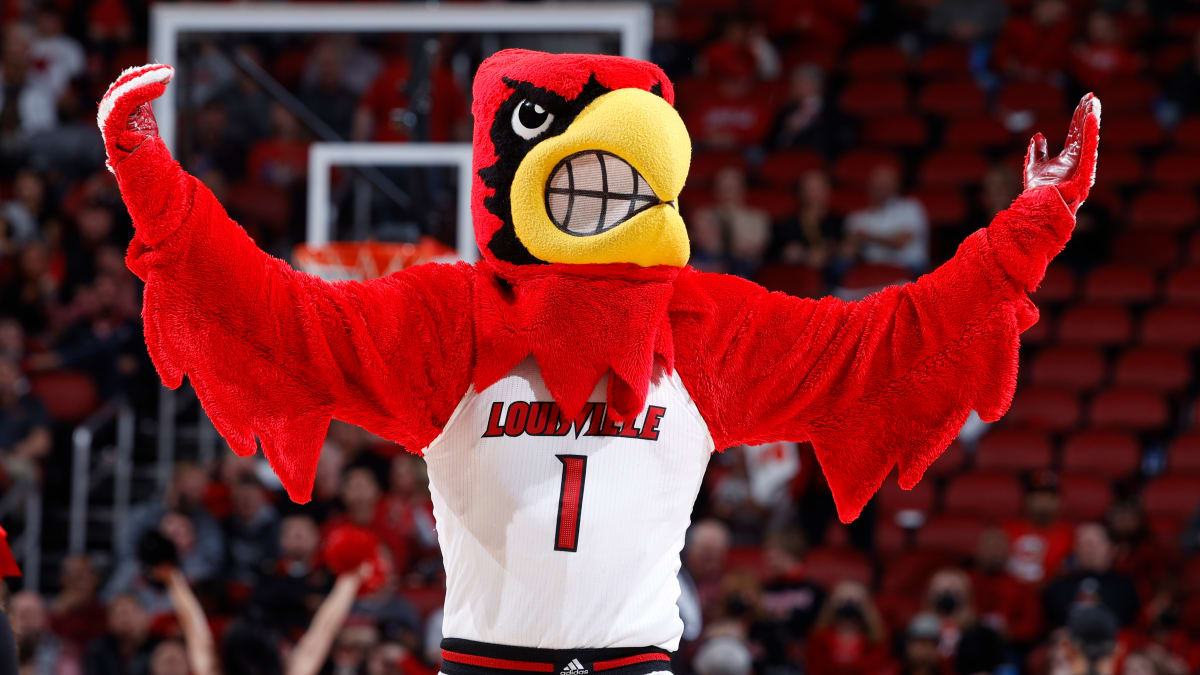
(805, 116)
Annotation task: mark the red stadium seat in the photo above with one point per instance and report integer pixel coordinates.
(1096, 324)
(1133, 408)
(801, 281)
(898, 131)
(944, 61)
(1120, 168)
(1013, 450)
(1183, 457)
(987, 494)
(1180, 169)
(869, 276)
(1059, 285)
(784, 168)
(853, 167)
(951, 461)
(68, 396)
(1128, 95)
(1187, 134)
(828, 565)
(1074, 367)
(1170, 210)
(1183, 286)
(945, 208)
(1084, 496)
(950, 168)
(1129, 132)
(1170, 496)
(952, 98)
(705, 165)
(1035, 97)
(978, 131)
(877, 61)
(872, 98)
(951, 534)
(1172, 326)
(778, 203)
(892, 498)
(1121, 283)
(1156, 368)
(889, 539)
(1158, 250)
(1038, 333)
(1101, 453)
(1048, 408)
(844, 201)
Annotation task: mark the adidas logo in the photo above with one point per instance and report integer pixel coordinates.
(574, 668)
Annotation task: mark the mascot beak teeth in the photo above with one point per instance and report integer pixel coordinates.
(594, 191)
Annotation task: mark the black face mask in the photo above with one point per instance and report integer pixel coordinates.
(848, 611)
(946, 603)
(737, 606)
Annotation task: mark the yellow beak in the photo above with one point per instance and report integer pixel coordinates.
(581, 196)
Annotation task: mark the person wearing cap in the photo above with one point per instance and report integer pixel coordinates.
(920, 653)
(1040, 540)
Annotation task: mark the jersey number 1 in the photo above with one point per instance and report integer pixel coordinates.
(570, 501)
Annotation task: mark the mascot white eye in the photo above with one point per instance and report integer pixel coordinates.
(530, 120)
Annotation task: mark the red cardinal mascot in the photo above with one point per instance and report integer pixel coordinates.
(567, 390)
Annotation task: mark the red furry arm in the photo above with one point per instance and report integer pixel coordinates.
(884, 381)
(276, 353)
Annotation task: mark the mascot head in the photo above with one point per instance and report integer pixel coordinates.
(578, 159)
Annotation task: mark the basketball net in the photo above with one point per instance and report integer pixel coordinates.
(364, 260)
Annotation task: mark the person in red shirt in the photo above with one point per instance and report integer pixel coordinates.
(1103, 56)
(1040, 541)
(1035, 47)
(1003, 602)
(849, 637)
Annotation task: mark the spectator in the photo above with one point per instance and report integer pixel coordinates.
(31, 293)
(813, 236)
(1039, 541)
(1103, 55)
(970, 21)
(1036, 47)
(893, 230)
(1004, 603)
(169, 658)
(731, 233)
(723, 656)
(406, 512)
(125, 647)
(966, 642)
(920, 655)
(24, 424)
(184, 499)
(292, 586)
(1092, 581)
(251, 531)
(326, 94)
(734, 114)
(806, 120)
(57, 57)
(76, 613)
(25, 211)
(1138, 553)
(849, 636)
(282, 159)
(27, 103)
(705, 556)
(36, 643)
(742, 51)
(789, 597)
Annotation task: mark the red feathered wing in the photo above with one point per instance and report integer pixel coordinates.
(274, 353)
(885, 381)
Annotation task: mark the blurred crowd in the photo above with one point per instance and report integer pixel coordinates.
(840, 145)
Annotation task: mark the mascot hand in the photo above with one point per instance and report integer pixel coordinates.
(1073, 171)
(125, 117)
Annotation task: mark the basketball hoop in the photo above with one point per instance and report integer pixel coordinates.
(363, 260)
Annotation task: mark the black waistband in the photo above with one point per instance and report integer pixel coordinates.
(467, 657)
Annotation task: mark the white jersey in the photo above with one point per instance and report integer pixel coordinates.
(564, 534)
